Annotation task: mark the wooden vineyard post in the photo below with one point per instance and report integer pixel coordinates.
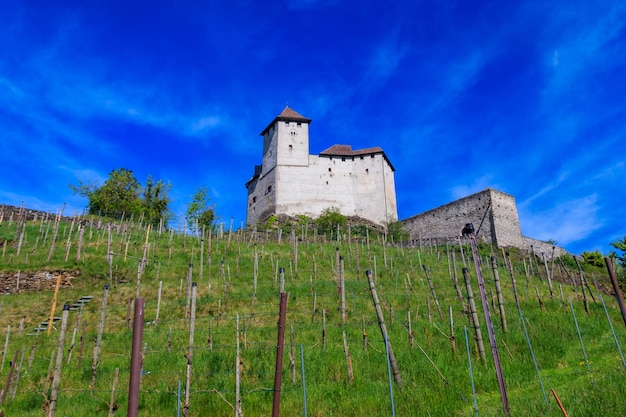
(136, 360)
(81, 235)
(323, 329)
(238, 407)
(54, 303)
(432, 291)
(96, 348)
(582, 285)
(364, 332)
(55, 232)
(82, 345)
(17, 376)
(521, 316)
(455, 276)
(496, 278)
(411, 333)
(158, 308)
(616, 288)
(545, 264)
(6, 345)
(280, 346)
(383, 328)
(188, 288)
(348, 358)
(468, 231)
(292, 355)
(474, 315)
(9, 376)
(112, 407)
(452, 342)
(255, 276)
(56, 380)
(342, 287)
(338, 270)
(192, 321)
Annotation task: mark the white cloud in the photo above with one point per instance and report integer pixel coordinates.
(204, 123)
(567, 222)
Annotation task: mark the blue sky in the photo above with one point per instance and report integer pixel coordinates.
(526, 98)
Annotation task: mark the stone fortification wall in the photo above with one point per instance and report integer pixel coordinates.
(493, 214)
(495, 218)
(539, 247)
(12, 213)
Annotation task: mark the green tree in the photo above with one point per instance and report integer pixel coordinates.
(155, 201)
(118, 195)
(122, 194)
(200, 209)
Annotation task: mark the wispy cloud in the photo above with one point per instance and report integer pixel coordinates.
(386, 58)
(567, 222)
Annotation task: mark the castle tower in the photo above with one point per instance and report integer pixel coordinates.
(285, 144)
(286, 141)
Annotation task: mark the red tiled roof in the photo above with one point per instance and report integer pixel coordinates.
(287, 115)
(346, 150)
(290, 113)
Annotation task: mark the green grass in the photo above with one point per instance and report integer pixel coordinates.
(225, 292)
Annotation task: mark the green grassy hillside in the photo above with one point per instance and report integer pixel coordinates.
(436, 381)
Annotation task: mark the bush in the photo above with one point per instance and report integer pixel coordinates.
(395, 232)
(330, 220)
(594, 258)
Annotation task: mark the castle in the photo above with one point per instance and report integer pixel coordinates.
(291, 181)
(361, 183)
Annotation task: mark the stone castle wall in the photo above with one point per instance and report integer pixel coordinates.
(493, 214)
(445, 223)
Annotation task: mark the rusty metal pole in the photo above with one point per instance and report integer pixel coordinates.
(280, 346)
(468, 231)
(135, 360)
(618, 291)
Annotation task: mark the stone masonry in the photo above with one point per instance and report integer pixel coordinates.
(493, 214)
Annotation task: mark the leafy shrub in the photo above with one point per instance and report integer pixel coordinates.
(594, 258)
(396, 233)
(330, 220)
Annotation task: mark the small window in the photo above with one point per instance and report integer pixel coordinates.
(343, 159)
(367, 170)
(290, 147)
(330, 170)
(299, 124)
(254, 199)
(269, 189)
(286, 123)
